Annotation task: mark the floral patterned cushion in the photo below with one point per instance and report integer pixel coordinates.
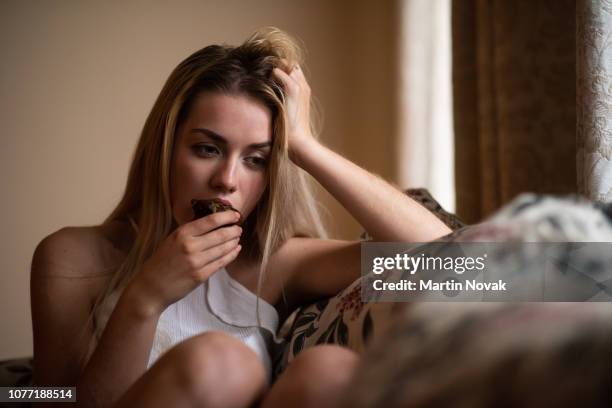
(345, 320)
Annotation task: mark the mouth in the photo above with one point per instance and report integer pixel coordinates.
(215, 199)
(222, 201)
(202, 208)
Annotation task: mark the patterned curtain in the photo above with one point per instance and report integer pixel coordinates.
(514, 89)
(594, 98)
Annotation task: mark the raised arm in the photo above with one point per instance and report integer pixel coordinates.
(384, 211)
(317, 267)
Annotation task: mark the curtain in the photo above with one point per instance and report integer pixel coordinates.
(514, 90)
(594, 98)
(425, 143)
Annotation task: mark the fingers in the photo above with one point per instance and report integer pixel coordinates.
(209, 223)
(286, 80)
(287, 66)
(213, 239)
(216, 258)
(296, 89)
(298, 74)
(290, 68)
(290, 74)
(216, 252)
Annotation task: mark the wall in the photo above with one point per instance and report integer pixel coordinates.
(77, 80)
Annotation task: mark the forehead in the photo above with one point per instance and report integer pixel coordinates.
(238, 118)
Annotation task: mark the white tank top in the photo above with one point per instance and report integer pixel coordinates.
(222, 304)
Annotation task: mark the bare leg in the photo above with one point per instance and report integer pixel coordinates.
(212, 370)
(318, 377)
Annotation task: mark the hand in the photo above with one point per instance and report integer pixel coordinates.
(297, 106)
(186, 258)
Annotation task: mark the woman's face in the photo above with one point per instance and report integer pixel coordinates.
(221, 151)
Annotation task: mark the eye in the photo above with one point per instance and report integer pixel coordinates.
(206, 150)
(257, 161)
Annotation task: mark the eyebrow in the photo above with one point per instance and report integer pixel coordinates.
(218, 138)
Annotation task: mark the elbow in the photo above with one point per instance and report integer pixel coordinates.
(445, 231)
(440, 231)
(435, 233)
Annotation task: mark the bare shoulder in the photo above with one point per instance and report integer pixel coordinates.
(76, 252)
(69, 269)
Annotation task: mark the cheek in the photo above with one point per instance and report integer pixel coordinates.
(184, 187)
(254, 188)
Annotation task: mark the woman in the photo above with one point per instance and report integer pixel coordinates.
(159, 307)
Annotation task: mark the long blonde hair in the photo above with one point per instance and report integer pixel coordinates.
(287, 208)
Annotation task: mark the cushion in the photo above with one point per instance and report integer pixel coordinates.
(343, 319)
(489, 354)
(16, 372)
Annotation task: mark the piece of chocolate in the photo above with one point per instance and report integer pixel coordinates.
(202, 208)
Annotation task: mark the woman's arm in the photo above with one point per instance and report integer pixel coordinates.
(316, 267)
(384, 211)
(122, 354)
(61, 300)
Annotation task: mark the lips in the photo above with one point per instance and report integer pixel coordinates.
(222, 201)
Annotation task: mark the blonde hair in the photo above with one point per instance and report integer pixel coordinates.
(287, 208)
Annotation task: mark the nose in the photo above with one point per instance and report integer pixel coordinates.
(224, 177)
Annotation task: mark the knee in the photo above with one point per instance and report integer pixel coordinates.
(319, 375)
(328, 362)
(215, 365)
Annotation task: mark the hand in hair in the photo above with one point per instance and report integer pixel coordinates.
(297, 106)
